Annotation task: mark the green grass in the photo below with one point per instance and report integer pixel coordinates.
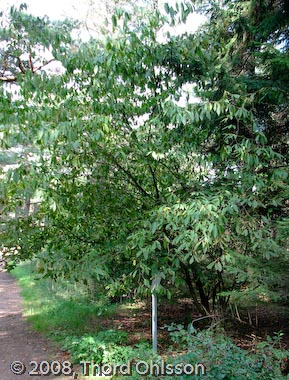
(57, 309)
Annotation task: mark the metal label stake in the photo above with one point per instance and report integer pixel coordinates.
(155, 283)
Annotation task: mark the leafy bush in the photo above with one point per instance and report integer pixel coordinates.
(223, 359)
(95, 347)
(86, 348)
(118, 354)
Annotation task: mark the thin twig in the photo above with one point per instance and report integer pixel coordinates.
(44, 64)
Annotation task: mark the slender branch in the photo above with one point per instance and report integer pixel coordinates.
(30, 62)
(8, 79)
(21, 66)
(265, 169)
(153, 173)
(77, 237)
(133, 180)
(44, 64)
(205, 317)
(131, 177)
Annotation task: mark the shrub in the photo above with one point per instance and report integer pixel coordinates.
(223, 359)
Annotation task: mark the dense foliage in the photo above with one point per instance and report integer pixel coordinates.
(152, 156)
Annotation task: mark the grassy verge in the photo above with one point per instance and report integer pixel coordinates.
(57, 309)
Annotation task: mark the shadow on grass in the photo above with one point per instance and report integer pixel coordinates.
(58, 309)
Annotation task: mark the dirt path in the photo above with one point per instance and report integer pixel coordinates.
(17, 340)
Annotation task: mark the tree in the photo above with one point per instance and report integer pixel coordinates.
(134, 184)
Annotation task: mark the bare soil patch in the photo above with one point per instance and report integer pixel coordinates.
(135, 318)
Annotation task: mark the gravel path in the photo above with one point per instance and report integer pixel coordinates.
(18, 342)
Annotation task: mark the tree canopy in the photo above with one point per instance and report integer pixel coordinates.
(152, 156)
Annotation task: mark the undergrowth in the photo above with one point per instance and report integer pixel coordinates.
(63, 312)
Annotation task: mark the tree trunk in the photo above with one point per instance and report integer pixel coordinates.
(191, 288)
